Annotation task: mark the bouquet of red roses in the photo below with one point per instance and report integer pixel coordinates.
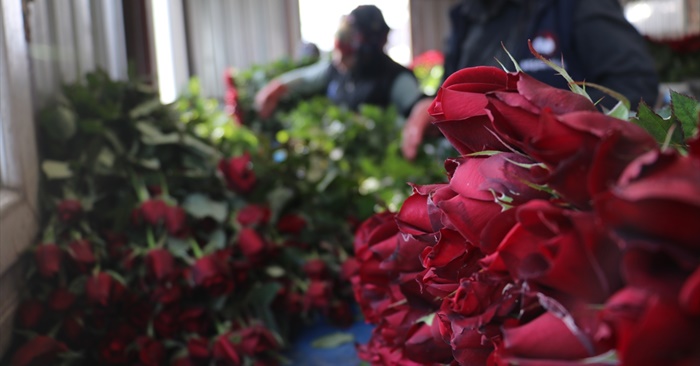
(563, 236)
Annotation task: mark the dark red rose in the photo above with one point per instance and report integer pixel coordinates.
(102, 289)
(562, 250)
(61, 299)
(199, 350)
(349, 268)
(450, 259)
(167, 293)
(115, 347)
(424, 344)
(166, 322)
(30, 312)
(316, 269)
(649, 329)
(238, 173)
(291, 224)
(151, 352)
(254, 215)
(548, 339)
(153, 211)
(195, 320)
(69, 210)
(38, 351)
(160, 264)
(212, 273)
(176, 221)
(657, 198)
(73, 325)
(117, 244)
(459, 108)
(48, 259)
(257, 339)
(689, 297)
(318, 295)
(82, 254)
(252, 244)
(225, 352)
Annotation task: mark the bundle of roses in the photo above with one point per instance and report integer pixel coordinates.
(563, 236)
(162, 247)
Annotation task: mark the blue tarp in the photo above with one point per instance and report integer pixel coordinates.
(304, 353)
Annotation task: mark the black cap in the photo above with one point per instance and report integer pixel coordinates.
(368, 19)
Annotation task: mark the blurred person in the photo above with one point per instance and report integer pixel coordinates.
(592, 39)
(359, 71)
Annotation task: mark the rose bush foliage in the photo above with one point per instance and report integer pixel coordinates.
(564, 236)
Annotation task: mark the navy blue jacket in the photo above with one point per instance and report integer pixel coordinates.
(592, 37)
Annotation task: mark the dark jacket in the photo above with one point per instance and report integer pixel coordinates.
(369, 85)
(594, 40)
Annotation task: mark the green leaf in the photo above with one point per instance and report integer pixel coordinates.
(59, 123)
(201, 206)
(144, 109)
(686, 110)
(56, 169)
(657, 126)
(217, 241)
(333, 340)
(275, 271)
(261, 295)
(428, 319)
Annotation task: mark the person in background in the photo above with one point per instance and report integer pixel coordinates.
(359, 71)
(592, 39)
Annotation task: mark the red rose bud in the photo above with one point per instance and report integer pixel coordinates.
(194, 320)
(69, 210)
(199, 350)
(253, 215)
(238, 173)
(61, 299)
(166, 322)
(151, 351)
(212, 274)
(424, 344)
(291, 224)
(225, 351)
(257, 339)
(82, 254)
(48, 259)
(115, 347)
(252, 244)
(30, 313)
(316, 269)
(160, 264)
(153, 211)
(318, 295)
(98, 288)
(40, 350)
(176, 221)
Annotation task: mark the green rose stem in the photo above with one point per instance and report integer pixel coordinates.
(196, 250)
(150, 239)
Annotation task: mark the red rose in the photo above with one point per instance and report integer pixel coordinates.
(167, 293)
(291, 224)
(657, 198)
(151, 351)
(176, 221)
(212, 274)
(459, 108)
(102, 289)
(315, 269)
(61, 299)
(166, 321)
(195, 320)
(160, 264)
(153, 211)
(40, 350)
(254, 215)
(199, 350)
(562, 250)
(82, 254)
(69, 210)
(225, 351)
(114, 348)
(252, 244)
(30, 313)
(649, 329)
(424, 344)
(117, 245)
(48, 259)
(318, 295)
(257, 339)
(238, 173)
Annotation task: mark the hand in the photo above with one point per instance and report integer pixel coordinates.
(414, 129)
(267, 98)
